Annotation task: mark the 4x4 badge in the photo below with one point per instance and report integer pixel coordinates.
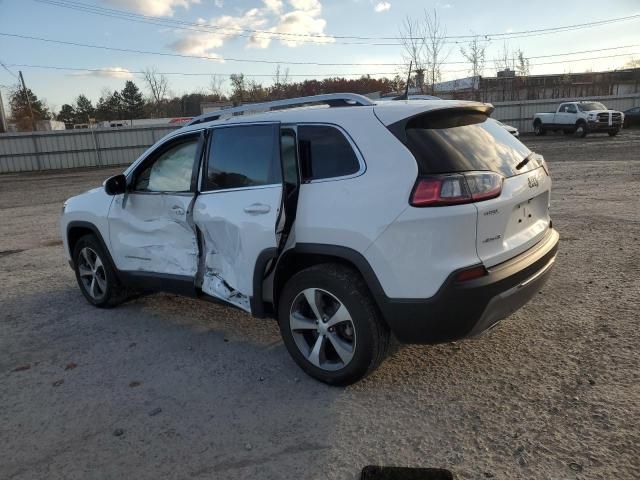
(533, 182)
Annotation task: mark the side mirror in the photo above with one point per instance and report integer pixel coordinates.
(115, 185)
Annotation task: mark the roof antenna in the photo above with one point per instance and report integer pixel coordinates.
(405, 95)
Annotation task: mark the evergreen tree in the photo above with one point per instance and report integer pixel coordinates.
(20, 113)
(67, 114)
(84, 109)
(132, 101)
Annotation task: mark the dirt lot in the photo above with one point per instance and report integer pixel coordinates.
(553, 392)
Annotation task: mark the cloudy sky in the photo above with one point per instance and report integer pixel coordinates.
(232, 36)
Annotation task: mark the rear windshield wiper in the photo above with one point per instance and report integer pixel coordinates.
(524, 162)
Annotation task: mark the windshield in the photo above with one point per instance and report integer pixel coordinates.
(456, 141)
(587, 107)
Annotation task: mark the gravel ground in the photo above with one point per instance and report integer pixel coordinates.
(168, 387)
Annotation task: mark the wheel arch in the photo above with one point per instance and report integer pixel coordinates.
(305, 255)
(78, 229)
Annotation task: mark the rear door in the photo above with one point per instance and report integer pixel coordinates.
(239, 209)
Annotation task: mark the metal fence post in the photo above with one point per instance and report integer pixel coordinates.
(36, 151)
(96, 147)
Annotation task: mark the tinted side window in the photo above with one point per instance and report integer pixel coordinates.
(572, 109)
(243, 156)
(171, 171)
(325, 153)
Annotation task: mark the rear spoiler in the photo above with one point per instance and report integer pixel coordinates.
(399, 128)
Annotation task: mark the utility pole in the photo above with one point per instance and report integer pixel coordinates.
(26, 94)
(3, 120)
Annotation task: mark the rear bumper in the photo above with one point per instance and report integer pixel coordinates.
(466, 309)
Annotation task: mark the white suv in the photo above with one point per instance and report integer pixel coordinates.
(344, 219)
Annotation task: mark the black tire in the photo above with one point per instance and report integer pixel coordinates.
(581, 130)
(538, 129)
(370, 334)
(614, 133)
(111, 293)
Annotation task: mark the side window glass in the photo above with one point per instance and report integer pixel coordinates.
(289, 155)
(243, 156)
(171, 171)
(325, 153)
(572, 109)
(563, 108)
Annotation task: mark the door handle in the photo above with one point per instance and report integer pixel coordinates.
(177, 209)
(257, 209)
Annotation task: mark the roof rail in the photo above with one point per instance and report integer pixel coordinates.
(331, 99)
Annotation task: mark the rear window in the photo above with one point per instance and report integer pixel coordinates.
(449, 141)
(325, 153)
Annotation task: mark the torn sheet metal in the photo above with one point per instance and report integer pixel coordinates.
(233, 235)
(220, 275)
(153, 234)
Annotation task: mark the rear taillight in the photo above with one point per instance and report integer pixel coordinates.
(455, 189)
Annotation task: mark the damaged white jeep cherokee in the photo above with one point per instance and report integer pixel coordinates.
(346, 220)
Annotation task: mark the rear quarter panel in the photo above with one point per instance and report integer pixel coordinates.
(353, 212)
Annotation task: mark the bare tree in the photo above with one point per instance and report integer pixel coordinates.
(474, 53)
(412, 37)
(216, 86)
(505, 61)
(158, 85)
(280, 81)
(633, 63)
(435, 42)
(523, 66)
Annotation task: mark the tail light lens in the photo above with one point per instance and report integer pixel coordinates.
(455, 189)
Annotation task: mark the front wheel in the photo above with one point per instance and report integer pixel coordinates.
(613, 133)
(581, 130)
(538, 130)
(95, 274)
(330, 324)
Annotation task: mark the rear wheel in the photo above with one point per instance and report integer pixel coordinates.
(581, 130)
(613, 133)
(95, 274)
(330, 325)
(538, 130)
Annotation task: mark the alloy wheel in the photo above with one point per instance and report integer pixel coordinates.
(92, 274)
(322, 329)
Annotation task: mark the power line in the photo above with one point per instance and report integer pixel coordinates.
(8, 70)
(314, 74)
(193, 74)
(80, 6)
(278, 62)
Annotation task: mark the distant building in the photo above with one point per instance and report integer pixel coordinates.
(206, 107)
(48, 125)
(564, 85)
(141, 122)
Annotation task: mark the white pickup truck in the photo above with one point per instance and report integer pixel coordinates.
(579, 118)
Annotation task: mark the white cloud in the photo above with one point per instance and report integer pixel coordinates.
(306, 5)
(273, 5)
(107, 72)
(218, 3)
(382, 7)
(304, 17)
(155, 8)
